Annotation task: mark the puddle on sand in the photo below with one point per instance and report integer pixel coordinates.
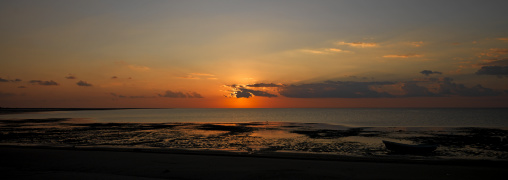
(274, 134)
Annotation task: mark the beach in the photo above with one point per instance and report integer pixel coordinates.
(54, 163)
(83, 148)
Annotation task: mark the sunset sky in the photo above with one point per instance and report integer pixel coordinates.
(253, 54)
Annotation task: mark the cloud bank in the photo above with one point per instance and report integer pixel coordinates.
(423, 87)
(497, 68)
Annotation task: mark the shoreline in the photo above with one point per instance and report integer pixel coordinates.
(36, 110)
(67, 163)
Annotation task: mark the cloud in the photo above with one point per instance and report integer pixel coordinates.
(198, 76)
(70, 76)
(494, 62)
(503, 39)
(114, 77)
(422, 87)
(494, 67)
(429, 72)
(83, 83)
(334, 89)
(313, 51)
(402, 55)
(246, 93)
(9, 80)
(264, 85)
(138, 68)
(44, 83)
(416, 44)
(495, 52)
(448, 87)
(243, 91)
(358, 44)
(499, 71)
(179, 94)
(133, 67)
(324, 51)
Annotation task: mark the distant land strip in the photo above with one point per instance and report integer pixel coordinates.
(30, 110)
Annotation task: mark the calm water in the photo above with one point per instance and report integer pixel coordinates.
(351, 117)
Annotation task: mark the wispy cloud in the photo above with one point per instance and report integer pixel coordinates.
(358, 44)
(198, 76)
(495, 52)
(44, 83)
(324, 51)
(503, 39)
(133, 67)
(416, 43)
(411, 55)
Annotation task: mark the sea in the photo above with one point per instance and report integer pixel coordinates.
(353, 117)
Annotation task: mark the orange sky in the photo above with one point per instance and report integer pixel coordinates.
(253, 54)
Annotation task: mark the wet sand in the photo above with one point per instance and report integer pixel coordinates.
(259, 138)
(44, 163)
(63, 148)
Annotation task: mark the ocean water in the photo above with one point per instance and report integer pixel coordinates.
(355, 117)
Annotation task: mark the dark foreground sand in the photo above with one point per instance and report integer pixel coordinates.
(44, 163)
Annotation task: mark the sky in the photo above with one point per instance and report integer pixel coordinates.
(253, 54)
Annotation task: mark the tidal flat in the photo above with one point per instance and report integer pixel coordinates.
(467, 143)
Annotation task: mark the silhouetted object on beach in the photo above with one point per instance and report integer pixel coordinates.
(410, 149)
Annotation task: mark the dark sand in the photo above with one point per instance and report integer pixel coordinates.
(51, 163)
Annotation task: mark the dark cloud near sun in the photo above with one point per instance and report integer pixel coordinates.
(179, 94)
(335, 89)
(44, 83)
(245, 91)
(423, 87)
(429, 72)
